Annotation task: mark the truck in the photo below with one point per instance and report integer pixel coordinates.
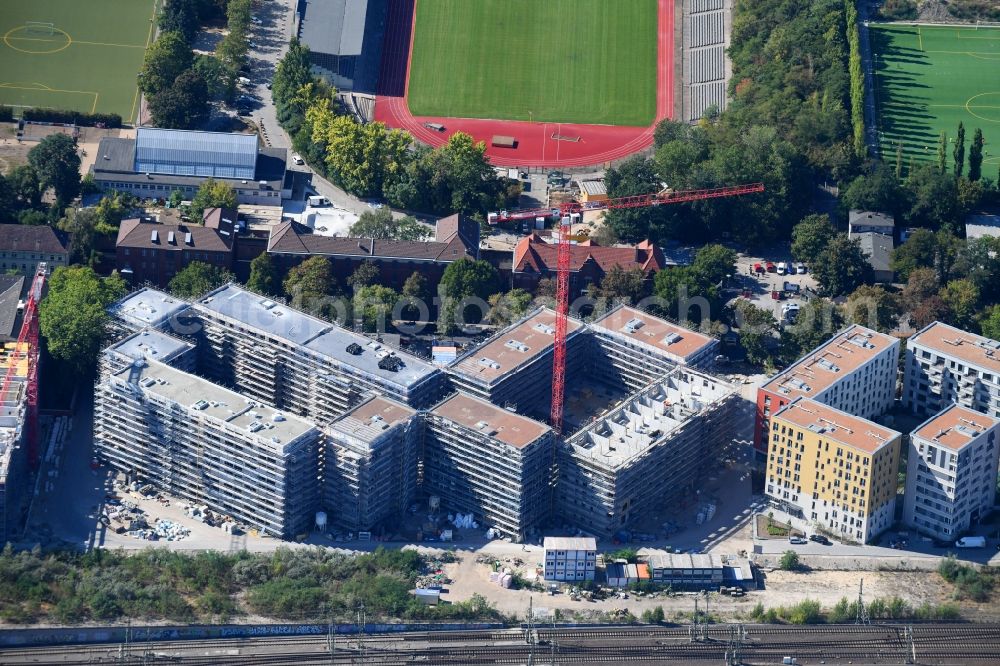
(971, 542)
(317, 201)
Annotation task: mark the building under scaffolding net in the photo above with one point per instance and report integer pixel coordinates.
(649, 451)
(14, 472)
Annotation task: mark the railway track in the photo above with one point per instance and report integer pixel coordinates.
(763, 644)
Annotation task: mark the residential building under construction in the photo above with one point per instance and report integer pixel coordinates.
(14, 476)
(209, 445)
(284, 357)
(649, 451)
(370, 464)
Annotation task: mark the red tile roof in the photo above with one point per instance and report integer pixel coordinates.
(136, 233)
(534, 254)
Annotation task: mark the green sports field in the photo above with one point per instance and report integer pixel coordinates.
(930, 78)
(577, 61)
(74, 54)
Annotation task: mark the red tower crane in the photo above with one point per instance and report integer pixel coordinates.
(25, 352)
(572, 209)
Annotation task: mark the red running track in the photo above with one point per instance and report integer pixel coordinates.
(535, 146)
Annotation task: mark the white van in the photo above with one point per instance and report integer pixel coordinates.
(971, 542)
(319, 202)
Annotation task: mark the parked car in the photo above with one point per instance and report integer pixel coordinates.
(782, 268)
(797, 540)
(800, 267)
(819, 538)
(297, 159)
(758, 268)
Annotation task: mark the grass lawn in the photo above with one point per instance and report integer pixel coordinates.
(87, 60)
(579, 61)
(930, 78)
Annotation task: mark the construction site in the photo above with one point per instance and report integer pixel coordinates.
(282, 422)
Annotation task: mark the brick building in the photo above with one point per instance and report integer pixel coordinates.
(23, 246)
(150, 252)
(535, 260)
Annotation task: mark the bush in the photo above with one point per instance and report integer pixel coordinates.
(970, 583)
(653, 615)
(6, 114)
(807, 611)
(111, 120)
(790, 561)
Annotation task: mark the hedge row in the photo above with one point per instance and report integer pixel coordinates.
(6, 114)
(75, 117)
(857, 79)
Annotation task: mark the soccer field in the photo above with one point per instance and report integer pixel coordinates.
(930, 78)
(74, 54)
(575, 61)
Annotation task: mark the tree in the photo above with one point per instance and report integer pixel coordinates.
(373, 304)
(364, 275)
(811, 236)
(756, 329)
(931, 309)
(264, 277)
(942, 152)
(981, 261)
(361, 158)
(921, 285)
(380, 225)
(25, 186)
(990, 322)
(73, 315)
(959, 152)
(841, 267)
(197, 279)
(919, 251)
(507, 308)
(621, 284)
(683, 292)
(415, 290)
(933, 200)
(876, 191)
(976, 156)
(714, 262)
(220, 81)
(81, 224)
(183, 105)
(309, 281)
(212, 194)
(292, 73)
(635, 176)
(962, 300)
(874, 307)
(164, 61)
(464, 279)
(57, 165)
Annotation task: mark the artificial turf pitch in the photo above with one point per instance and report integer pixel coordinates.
(88, 62)
(928, 79)
(572, 61)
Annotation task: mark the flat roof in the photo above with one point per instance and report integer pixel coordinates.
(486, 418)
(569, 543)
(276, 428)
(830, 362)
(971, 348)
(837, 426)
(676, 341)
(371, 418)
(513, 347)
(316, 335)
(151, 344)
(955, 426)
(148, 307)
(980, 225)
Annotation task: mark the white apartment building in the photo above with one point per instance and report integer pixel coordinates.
(951, 472)
(854, 371)
(946, 365)
(570, 558)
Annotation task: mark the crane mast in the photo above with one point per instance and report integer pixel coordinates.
(571, 211)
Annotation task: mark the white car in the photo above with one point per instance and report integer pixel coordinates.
(782, 268)
(800, 267)
(297, 159)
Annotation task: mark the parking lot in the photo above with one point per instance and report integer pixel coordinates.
(759, 287)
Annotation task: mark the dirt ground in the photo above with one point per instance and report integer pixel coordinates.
(782, 589)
